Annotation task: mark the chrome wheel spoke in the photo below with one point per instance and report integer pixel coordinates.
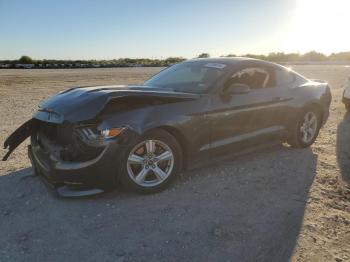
(309, 127)
(305, 136)
(309, 116)
(309, 134)
(164, 156)
(150, 146)
(160, 174)
(135, 159)
(142, 175)
(313, 121)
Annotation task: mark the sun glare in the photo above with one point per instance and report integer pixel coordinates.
(321, 25)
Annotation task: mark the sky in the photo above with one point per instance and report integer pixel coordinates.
(111, 29)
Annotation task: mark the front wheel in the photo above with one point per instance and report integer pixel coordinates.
(306, 130)
(152, 163)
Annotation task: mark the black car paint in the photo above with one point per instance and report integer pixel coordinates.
(205, 125)
(85, 103)
(17, 137)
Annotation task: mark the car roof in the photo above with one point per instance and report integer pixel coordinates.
(231, 60)
(224, 60)
(234, 61)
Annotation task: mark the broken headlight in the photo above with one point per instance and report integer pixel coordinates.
(95, 137)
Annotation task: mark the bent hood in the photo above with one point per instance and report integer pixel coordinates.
(85, 103)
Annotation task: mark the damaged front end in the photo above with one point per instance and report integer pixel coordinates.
(74, 159)
(78, 135)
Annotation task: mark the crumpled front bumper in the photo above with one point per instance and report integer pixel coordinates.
(77, 179)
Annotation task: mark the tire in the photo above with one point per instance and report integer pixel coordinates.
(297, 134)
(151, 163)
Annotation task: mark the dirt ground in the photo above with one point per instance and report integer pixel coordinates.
(273, 204)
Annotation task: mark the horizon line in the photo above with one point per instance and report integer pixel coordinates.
(184, 57)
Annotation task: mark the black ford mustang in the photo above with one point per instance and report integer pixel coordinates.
(88, 139)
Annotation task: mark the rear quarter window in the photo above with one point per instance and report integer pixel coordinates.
(288, 78)
(284, 77)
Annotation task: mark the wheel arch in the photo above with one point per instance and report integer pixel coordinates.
(181, 139)
(317, 106)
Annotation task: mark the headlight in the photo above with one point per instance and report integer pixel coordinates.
(96, 137)
(111, 132)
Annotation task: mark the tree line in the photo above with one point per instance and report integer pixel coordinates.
(28, 62)
(312, 56)
(279, 57)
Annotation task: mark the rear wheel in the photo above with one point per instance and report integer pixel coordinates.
(152, 163)
(307, 128)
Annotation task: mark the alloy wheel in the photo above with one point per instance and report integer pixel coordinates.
(308, 128)
(150, 163)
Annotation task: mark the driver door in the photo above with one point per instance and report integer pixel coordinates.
(240, 120)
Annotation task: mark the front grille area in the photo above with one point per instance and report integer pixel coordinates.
(63, 141)
(61, 134)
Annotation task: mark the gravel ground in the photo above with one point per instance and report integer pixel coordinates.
(273, 204)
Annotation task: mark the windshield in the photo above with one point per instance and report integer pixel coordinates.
(193, 77)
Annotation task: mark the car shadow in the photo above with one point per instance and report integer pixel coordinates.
(249, 208)
(343, 147)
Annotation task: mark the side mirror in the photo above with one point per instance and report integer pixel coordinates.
(237, 89)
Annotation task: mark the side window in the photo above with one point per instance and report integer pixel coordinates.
(284, 77)
(254, 77)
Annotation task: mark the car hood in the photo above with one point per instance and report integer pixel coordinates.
(85, 103)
